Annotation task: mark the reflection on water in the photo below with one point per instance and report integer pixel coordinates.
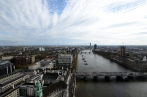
(103, 88)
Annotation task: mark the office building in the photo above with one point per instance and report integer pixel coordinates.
(95, 46)
(65, 59)
(9, 81)
(6, 67)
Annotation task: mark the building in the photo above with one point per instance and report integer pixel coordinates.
(55, 90)
(34, 66)
(50, 65)
(41, 49)
(34, 78)
(32, 58)
(19, 60)
(27, 90)
(50, 78)
(6, 57)
(9, 81)
(65, 59)
(6, 67)
(90, 46)
(14, 92)
(30, 90)
(95, 46)
(123, 51)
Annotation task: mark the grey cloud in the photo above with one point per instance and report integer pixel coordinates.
(142, 33)
(122, 24)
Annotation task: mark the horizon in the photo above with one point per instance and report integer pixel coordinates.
(73, 22)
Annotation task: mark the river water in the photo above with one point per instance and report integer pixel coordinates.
(102, 88)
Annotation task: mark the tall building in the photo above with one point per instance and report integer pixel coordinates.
(123, 51)
(90, 46)
(95, 46)
(41, 49)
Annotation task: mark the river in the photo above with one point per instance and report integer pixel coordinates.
(102, 88)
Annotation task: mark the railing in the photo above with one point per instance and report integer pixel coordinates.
(111, 74)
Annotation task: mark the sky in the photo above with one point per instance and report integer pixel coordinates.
(73, 22)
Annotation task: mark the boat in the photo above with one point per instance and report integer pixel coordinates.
(85, 64)
(85, 61)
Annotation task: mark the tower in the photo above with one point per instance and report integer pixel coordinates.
(90, 46)
(95, 46)
(122, 51)
(38, 89)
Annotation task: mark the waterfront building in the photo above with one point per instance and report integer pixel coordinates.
(90, 46)
(65, 59)
(95, 46)
(6, 67)
(55, 90)
(123, 51)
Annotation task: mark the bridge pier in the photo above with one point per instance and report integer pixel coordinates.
(107, 78)
(119, 78)
(85, 78)
(95, 78)
(141, 77)
(130, 77)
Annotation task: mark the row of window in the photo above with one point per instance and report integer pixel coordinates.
(14, 82)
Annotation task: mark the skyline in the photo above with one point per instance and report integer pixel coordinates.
(73, 22)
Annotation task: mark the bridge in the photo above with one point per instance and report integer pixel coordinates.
(108, 75)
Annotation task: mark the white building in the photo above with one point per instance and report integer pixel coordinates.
(7, 57)
(34, 66)
(46, 64)
(144, 59)
(41, 49)
(65, 59)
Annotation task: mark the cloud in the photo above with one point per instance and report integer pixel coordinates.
(46, 22)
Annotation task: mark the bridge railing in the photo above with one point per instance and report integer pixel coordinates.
(113, 73)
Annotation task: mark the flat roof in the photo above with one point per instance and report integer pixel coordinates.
(4, 62)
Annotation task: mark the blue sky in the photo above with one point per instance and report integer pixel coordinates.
(73, 22)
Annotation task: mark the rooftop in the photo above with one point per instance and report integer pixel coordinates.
(49, 89)
(4, 62)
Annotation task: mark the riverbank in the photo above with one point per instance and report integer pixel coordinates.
(124, 64)
(75, 62)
